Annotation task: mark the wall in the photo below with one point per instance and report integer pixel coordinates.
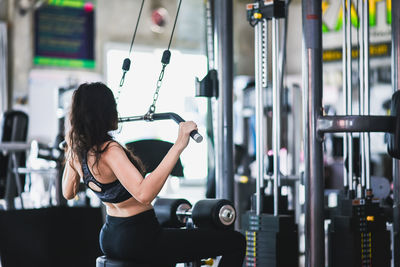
(115, 21)
(3, 10)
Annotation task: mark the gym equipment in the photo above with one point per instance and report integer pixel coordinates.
(14, 128)
(151, 115)
(14, 182)
(176, 213)
(394, 137)
(103, 261)
(395, 71)
(272, 239)
(151, 152)
(169, 211)
(206, 213)
(127, 62)
(162, 116)
(214, 213)
(358, 235)
(164, 60)
(208, 86)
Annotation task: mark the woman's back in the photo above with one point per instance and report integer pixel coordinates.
(100, 178)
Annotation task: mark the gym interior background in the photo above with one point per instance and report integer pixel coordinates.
(288, 78)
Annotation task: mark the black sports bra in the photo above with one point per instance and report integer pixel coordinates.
(113, 192)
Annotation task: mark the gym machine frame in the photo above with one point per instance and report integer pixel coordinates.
(317, 125)
(268, 235)
(396, 162)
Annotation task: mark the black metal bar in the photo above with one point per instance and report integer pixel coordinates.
(154, 117)
(352, 124)
(162, 116)
(314, 174)
(132, 118)
(396, 163)
(168, 116)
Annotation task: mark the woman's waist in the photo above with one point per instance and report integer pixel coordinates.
(131, 215)
(127, 208)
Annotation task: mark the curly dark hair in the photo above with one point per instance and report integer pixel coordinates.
(93, 114)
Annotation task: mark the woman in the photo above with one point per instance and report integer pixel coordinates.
(131, 230)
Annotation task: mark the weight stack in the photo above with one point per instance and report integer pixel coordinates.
(271, 240)
(361, 239)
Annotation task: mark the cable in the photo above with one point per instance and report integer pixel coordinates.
(136, 27)
(173, 29)
(127, 62)
(165, 59)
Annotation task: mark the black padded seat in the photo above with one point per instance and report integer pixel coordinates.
(151, 152)
(103, 261)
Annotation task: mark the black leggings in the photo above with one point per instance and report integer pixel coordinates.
(140, 238)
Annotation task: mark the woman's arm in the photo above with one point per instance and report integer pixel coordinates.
(145, 190)
(70, 180)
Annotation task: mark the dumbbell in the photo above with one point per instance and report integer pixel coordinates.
(206, 213)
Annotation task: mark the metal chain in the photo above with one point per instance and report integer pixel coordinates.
(152, 107)
(165, 61)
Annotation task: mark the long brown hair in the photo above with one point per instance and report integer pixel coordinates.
(93, 114)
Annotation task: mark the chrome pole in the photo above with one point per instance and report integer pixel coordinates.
(276, 112)
(361, 96)
(344, 81)
(260, 43)
(349, 94)
(367, 96)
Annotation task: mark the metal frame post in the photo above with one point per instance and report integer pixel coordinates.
(396, 163)
(361, 97)
(344, 65)
(276, 112)
(224, 62)
(312, 86)
(260, 43)
(3, 67)
(349, 91)
(367, 96)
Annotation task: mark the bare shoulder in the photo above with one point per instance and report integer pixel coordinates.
(112, 150)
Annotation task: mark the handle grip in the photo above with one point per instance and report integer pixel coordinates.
(173, 116)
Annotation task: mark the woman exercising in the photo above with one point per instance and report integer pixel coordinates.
(131, 230)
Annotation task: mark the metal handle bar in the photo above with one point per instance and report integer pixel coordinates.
(162, 116)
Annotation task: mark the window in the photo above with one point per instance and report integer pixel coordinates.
(176, 95)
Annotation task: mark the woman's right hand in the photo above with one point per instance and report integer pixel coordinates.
(185, 128)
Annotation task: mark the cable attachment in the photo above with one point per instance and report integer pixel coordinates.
(265, 10)
(166, 57)
(149, 115)
(254, 14)
(125, 68)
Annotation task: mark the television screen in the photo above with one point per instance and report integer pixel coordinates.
(64, 34)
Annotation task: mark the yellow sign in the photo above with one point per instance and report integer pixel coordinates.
(375, 50)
